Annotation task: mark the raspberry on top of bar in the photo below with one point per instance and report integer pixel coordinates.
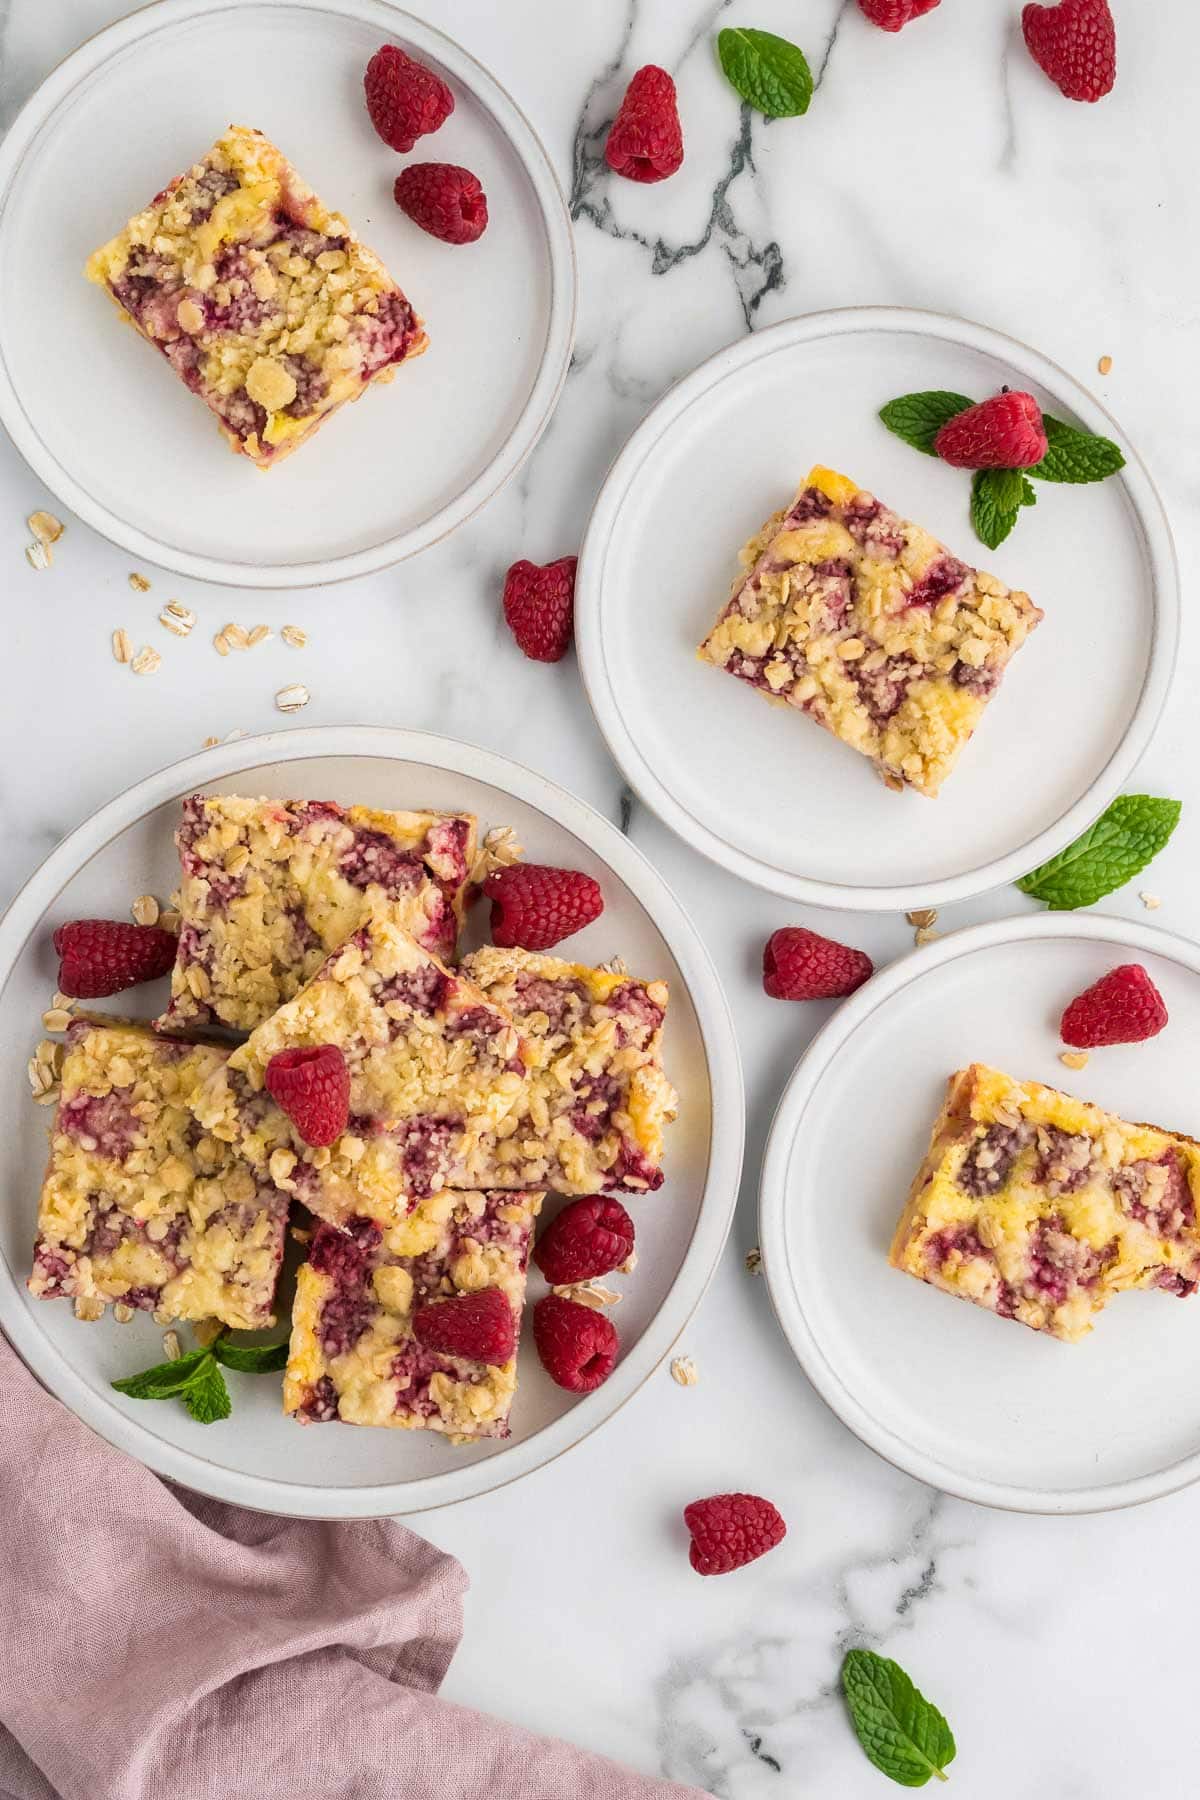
(270, 887)
(265, 303)
(1041, 1207)
(865, 622)
(141, 1208)
(592, 1115)
(353, 1355)
(433, 1066)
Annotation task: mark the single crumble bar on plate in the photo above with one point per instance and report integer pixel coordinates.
(270, 887)
(433, 1066)
(265, 303)
(353, 1354)
(592, 1115)
(141, 1207)
(1041, 1207)
(868, 624)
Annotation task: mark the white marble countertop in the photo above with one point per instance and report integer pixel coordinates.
(937, 169)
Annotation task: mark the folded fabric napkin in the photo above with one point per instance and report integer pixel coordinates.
(155, 1643)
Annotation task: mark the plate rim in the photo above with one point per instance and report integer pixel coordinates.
(718, 1199)
(83, 62)
(1159, 552)
(785, 1130)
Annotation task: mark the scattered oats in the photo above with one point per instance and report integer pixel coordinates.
(291, 699)
(50, 1097)
(139, 584)
(295, 635)
(50, 1055)
(754, 1261)
(161, 1316)
(1074, 1059)
(60, 1002)
(221, 644)
(1151, 902)
(45, 527)
(39, 1078)
(207, 1331)
(38, 555)
(923, 916)
(925, 935)
(56, 1019)
(589, 1294)
(629, 1265)
(146, 661)
(122, 1313)
(300, 1235)
(171, 1349)
(170, 920)
(499, 850)
(122, 648)
(1105, 365)
(89, 1306)
(210, 743)
(258, 635)
(616, 965)
(235, 636)
(177, 618)
(684, 1371)
(145, 910)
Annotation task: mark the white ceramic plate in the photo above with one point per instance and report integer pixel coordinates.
(109, 427)
(259, 1458)
(974, 1404)
(773, 797)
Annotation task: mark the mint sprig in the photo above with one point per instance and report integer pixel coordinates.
(997, 496)
(196, 1378)
(1075, 456)
(901, 1731)
(917, 418)
(1109, 853)
(768, 71)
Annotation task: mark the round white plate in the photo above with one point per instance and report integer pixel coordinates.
(109, 427)
(773, 797)
(968, 1402)
(260, 1458)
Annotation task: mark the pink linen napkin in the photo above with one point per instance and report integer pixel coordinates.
(157, 1644)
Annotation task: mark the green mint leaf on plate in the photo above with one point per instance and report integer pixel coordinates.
(251, 1359)
(902, 1733)
(997, 496)
(1110, 853)
(768, 71)
(207, 1397)
(1075, 455)
(917, 418)
(164, 1380)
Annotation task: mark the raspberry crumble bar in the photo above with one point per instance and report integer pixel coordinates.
(865, 622)
(592, 1115)
(353, 1354)
(1041, 1207)
(265, 303)
(140, 1206)
(434, 1066)
(270, 887)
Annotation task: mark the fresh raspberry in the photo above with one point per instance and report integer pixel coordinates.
(404, 98)
(535, 907)
(444, 200)
(104, 956)
(645, 140)
(731, 1530)
(1005, 432)
(313, 1088)
(1076, 44)
(588, 1238)
(1123, 1007)
(578, 1347)
(803, 965)
(539, 605)
(892, 14)
(479, 1326)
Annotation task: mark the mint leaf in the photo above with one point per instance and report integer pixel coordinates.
(917, 418)
(1110, 853)
(164, 1380)
(207, 1398)
(1075, 455)
(1028, 491)
(997, 496)
(902, 1733)
(768, 71)
(251, 1359)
